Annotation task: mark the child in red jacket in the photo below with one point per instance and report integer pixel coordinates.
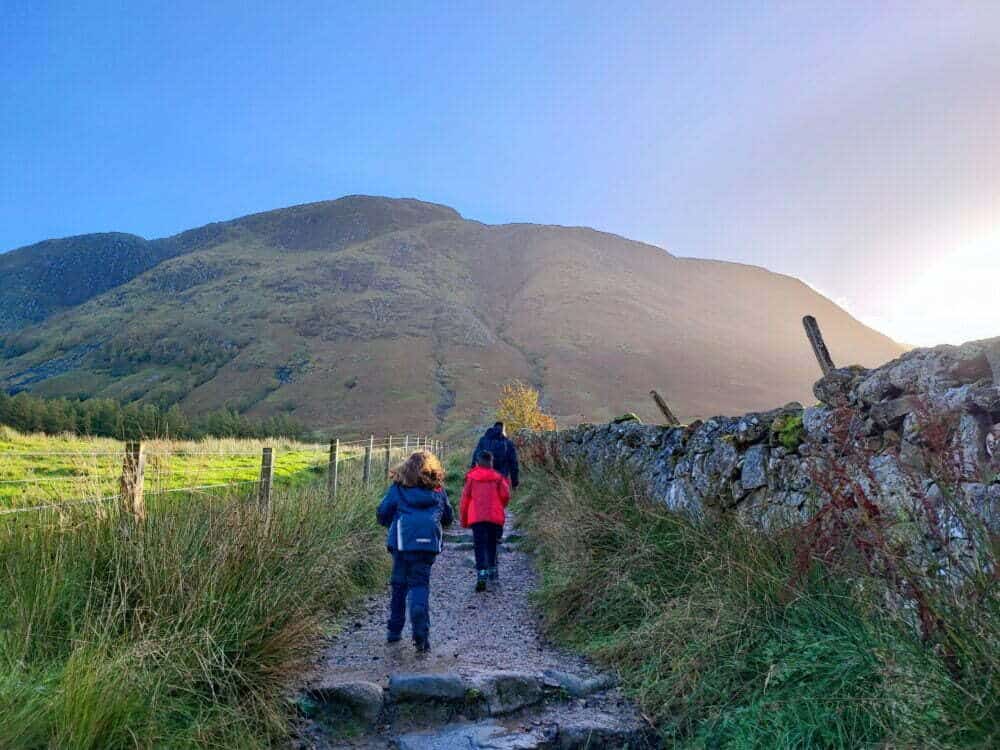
(483, 507)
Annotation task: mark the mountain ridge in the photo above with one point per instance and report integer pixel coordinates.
(336, 311)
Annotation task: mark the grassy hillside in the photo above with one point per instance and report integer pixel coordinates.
(336, 311)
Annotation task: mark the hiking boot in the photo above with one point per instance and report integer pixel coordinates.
(391, 637)
(481, 579)
(422, 645)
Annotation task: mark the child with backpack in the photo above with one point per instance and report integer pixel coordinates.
(414, 509)
(483, 508)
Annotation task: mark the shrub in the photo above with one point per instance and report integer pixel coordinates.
(518, 408)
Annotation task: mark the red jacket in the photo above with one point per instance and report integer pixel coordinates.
(484, 497)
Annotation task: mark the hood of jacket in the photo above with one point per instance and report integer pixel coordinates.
(420, 497)
(495, 433)
(483, 474)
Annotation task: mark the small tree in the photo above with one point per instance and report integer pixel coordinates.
(518, 408)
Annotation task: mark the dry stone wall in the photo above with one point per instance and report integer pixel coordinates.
(926, 425)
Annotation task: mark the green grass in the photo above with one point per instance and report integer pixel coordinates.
(183, 631)
(722, 650)
(789, 430)
(456, 466)
(38, 469)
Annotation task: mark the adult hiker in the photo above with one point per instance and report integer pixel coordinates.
(496, 442)
(414, 508)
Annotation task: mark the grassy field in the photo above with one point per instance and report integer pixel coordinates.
(725, 647)
(41, 469)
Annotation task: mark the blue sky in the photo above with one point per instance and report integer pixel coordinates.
(854, 144)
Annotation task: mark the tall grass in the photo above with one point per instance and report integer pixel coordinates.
(724, 646)
(182, 631)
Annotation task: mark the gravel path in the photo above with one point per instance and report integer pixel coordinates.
(471, 633)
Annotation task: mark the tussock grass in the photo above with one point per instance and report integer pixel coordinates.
(182, 631)
(722, 650)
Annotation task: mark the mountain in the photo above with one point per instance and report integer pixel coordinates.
(376, 313)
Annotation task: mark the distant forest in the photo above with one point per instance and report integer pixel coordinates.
(102, 417)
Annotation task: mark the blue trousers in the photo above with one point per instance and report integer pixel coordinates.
(411, 579)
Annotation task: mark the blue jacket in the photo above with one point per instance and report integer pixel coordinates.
(504, 453)
(414, 517)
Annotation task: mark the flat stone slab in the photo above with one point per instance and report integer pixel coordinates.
(500, 692)
(600, 730)
(428, 687)
(592, 732)
(480, 736)
(576, 685)
(505, 692)
(364, 699)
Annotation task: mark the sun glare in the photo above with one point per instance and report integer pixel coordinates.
(955, 299)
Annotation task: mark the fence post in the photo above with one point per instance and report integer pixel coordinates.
(332, 472)
(132, 480)
(388, 457)
(406, 444)
(815, 337)
(668, 415)
(266, 479)
(367, 468)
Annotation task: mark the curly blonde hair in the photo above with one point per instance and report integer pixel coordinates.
(421, 469)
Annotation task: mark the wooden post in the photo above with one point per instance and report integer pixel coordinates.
(367, 468)
(132, 480)
(266, 479)
(388, 458)
(815, 337)
(672, 421)
(332, 475)
(406, 444)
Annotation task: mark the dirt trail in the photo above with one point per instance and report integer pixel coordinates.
(491, 680)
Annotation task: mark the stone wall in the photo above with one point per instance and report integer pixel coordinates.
(926, 425)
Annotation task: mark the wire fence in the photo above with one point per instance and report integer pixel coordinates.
(39, 480)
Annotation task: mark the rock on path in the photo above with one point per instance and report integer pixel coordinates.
(491, 680)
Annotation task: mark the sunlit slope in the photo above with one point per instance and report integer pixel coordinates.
(369, 312)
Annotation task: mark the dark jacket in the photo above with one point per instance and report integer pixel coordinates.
(414, 516)
(504, 453)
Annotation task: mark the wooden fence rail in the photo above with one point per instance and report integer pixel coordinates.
(349, 462)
